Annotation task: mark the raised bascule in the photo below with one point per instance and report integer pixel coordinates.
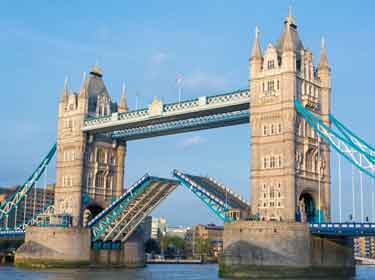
(285, 230)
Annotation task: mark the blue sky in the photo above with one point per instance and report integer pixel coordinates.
(146, 44)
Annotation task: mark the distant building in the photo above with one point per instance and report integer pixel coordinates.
(36, 201)
(212, 234)
(154, 228)
(364, 247)
(177, 231)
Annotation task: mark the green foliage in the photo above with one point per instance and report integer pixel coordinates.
(152, 246)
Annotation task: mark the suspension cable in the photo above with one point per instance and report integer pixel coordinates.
(44, 189)
(353, 192)
(15, 216)
(319, 191)
(24, 210)
(340, 186)
(361, 186)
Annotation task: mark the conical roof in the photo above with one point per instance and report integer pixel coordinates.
(289, 39)
(256, 51)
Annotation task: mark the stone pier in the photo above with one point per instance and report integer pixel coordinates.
(271, 250)
(47, 247)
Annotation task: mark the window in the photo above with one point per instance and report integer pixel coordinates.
(265, 130)
(265, 195)
(271, 64)
(271, 85)
(279, 128)
(278, 84)
(265, 163)
(272, 129)
(264, 89)
(280, 163)
(272, 162)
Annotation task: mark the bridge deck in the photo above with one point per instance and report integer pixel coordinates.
(117, 222)
(200, 113)
(343, 229)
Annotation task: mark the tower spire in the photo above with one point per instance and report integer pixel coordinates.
(65, 93)
(290, 19)
(123, 105)
(323, 61)
(256, 51)
(83, 90)
(288, 40)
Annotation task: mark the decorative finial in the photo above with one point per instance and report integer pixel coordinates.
(96, 70)
(123, 89)
(257, 31)
(322, 43)
(66, 84)
(290, 19)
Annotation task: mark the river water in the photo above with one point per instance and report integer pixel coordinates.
(153, 272)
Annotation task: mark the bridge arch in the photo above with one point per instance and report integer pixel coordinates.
(307, 208)
(91, 211)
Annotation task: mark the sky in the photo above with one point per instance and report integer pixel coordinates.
(146, 44)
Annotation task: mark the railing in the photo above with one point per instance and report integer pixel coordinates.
(178, 107)
(343, 229)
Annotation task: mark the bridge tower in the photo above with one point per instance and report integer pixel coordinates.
(89, 169)
(286, 173)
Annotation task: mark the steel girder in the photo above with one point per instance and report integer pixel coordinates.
(13, 201)
(184, 125)
(343, 229)
(121, 218)
(345, 142)
(204, 105)
(212, 200)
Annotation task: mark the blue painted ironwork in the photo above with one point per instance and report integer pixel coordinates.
(343, 229)
(11, 233)
(111, 220)
(217, 205)
(14, 200)
(184, 125)
(345, 142)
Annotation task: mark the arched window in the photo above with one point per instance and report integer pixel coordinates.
(265, 130)
(265, 162)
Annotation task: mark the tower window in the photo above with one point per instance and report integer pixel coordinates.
(278, 84)
(265, 162)
(279, 128)
(272, 129)
(271, 85)
(265, 130)
(271, 64)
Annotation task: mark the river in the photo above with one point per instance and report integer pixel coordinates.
(151, 272)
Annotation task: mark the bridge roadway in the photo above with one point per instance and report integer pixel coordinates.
(163, 119)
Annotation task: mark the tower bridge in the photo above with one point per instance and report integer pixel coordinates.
(288, 224)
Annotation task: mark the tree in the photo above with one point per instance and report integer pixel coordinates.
(152, 246)
(202, 246)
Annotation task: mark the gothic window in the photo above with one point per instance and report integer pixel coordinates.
(265, 204)
(271, 64)
(278, 84)
(279, 194)
(263, 87)
(272, 129)
(279, 204)
(279, 128)
(265, 163)
(271, 86)
(265, 130)
(272, 162)
(279, 161)
(265, 195)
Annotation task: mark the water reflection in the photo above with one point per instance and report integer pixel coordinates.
(151, 272)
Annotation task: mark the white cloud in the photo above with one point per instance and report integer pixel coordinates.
(193, 141)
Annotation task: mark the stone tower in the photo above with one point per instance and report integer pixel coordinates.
(89, 169)
(288, 170)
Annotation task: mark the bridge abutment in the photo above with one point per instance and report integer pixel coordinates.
(282, 249)
(47, 247)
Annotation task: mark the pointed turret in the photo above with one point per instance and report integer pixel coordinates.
(289, 39)
(256, 58)
(256, 51)
(65, 93)
(83, 90)
(323, 61)
(123, 105)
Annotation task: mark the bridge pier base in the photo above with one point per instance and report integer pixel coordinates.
(47, 247)
(131, 254)
(54, 247)
(258, 250)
